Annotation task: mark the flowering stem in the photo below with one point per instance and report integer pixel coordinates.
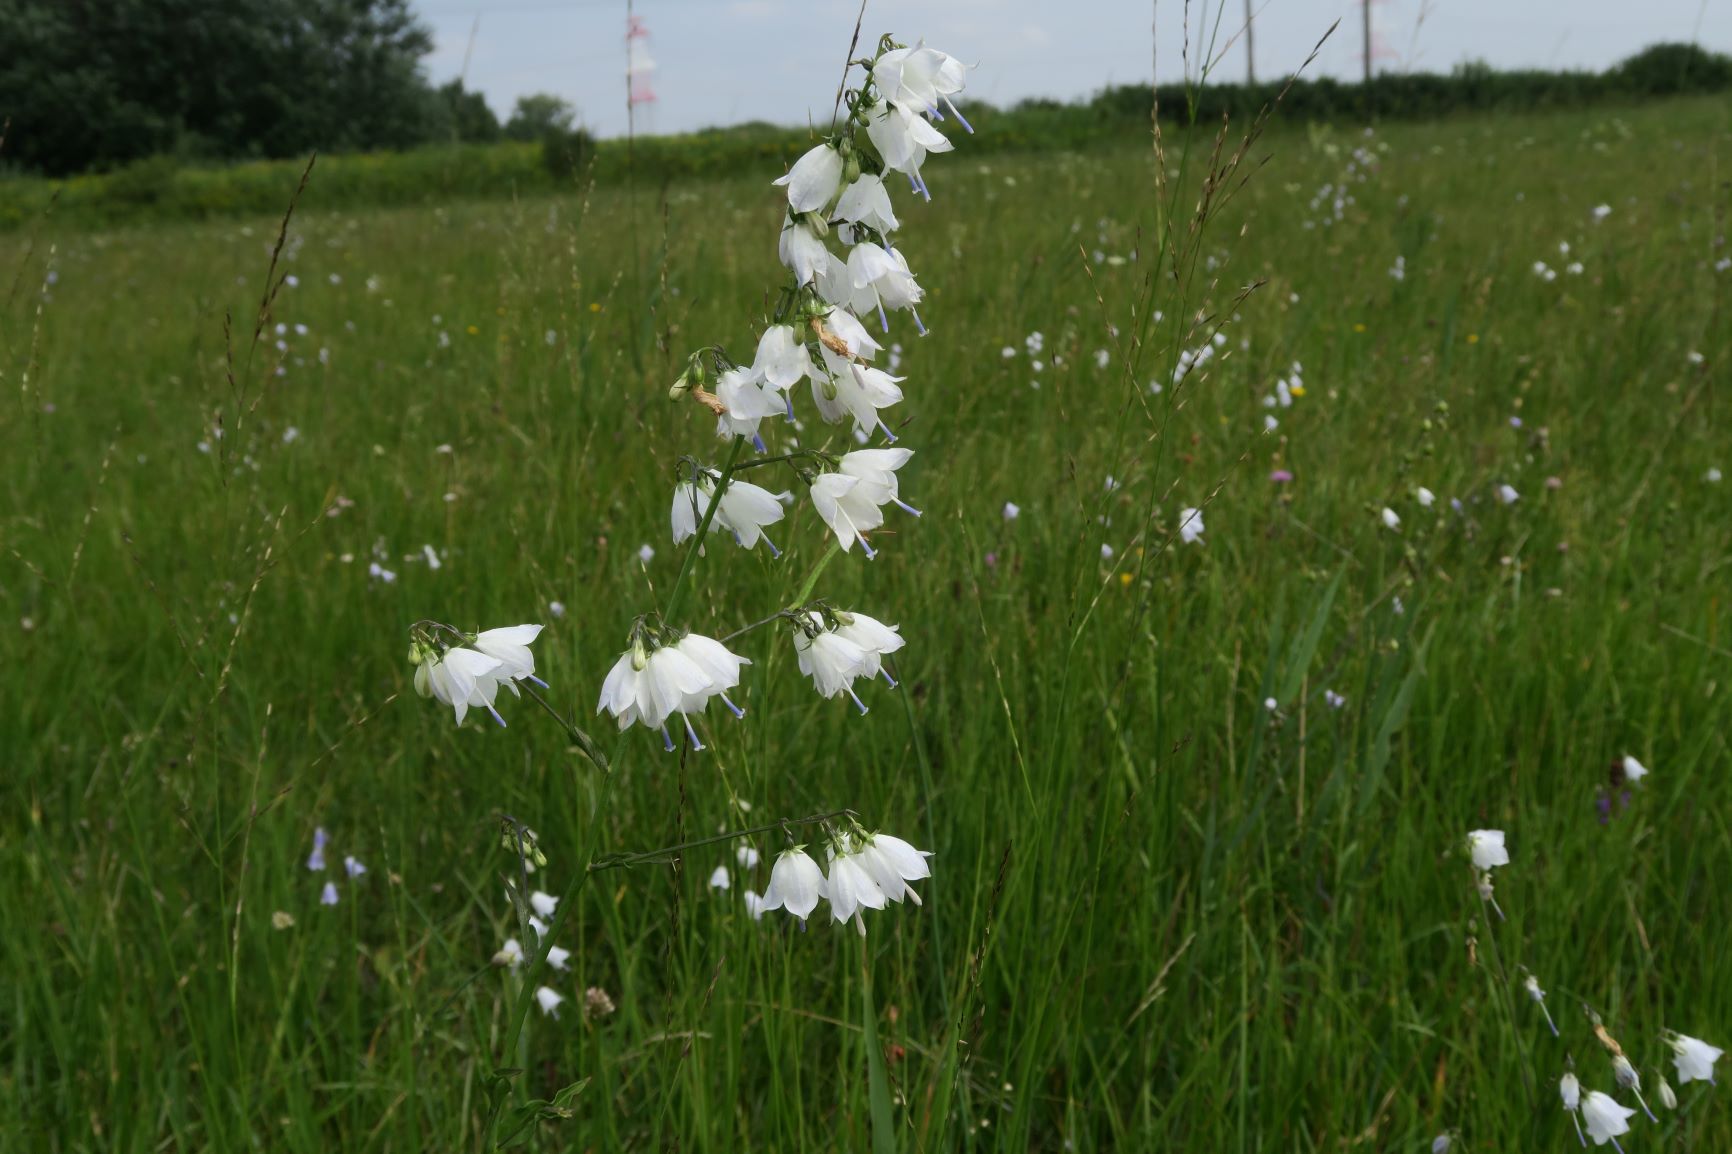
(583, 740)
(627, 860)
(811, 582)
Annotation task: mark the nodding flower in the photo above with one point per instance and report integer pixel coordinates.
(1605, 1118)
(1487, 849)
(1694, 1058)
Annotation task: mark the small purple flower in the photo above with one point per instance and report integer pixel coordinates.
(353, 867)
(1280, 476)
(1603, 803)
(992, 560)
(316, 859)
(328, 895)
(1515, 422)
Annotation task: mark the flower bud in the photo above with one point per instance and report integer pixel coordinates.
(1667, 1098)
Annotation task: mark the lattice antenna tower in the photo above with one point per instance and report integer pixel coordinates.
(640, 69)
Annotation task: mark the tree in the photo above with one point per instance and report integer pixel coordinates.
(537, 114)
(472, 121)
(99, 83)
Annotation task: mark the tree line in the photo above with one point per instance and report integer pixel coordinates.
(97, 84)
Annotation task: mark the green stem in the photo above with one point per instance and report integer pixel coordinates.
(625, 861)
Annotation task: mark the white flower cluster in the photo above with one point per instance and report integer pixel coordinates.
(1596, 1114)
(469, 675)
(867, 871)
(512, 956)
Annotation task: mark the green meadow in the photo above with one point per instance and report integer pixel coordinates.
(1197, 809)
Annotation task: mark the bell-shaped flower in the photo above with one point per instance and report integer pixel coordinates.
(558, 957)
(1605, 1119)
(796, 884)
(1190, 526)
(316, 859)
(781, 359)
(1391, 519)
(855, 390)
(719, 665)
(1668, 1098)
(883, 276)
(754, 905)
(745, 510)
(813, 181)
(1634, 770)
(745, 403)
(1425, 497)
(892, 863)
(548, 999)
(650, 687)
(904, 138)
(460, 678)
(851, 889)
(510, 954)
(802, 250)
(829, 659)
(510, 647)
(851, 500)
(328, 895)
(1627, 1078)
(1693, 1057)
(1487, 848)
(921, 77)
(544, 904)
(874, 638)
(867, 202)
(353, 867)
(845, 327)
(720, 879)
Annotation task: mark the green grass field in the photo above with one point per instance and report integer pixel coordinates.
(1162, 916)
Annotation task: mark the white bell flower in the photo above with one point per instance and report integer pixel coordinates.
(1634, 770)
(883, 277)
(719, 665)
(921, 77)
(1391, 519)
(813, 181)
(851, 889)
(1570, 1091)
(1487, 848)
(1190, 526)
(510, 954)
(904, 138)
(874, 638)
(510, 647)
(849, 508)
(1507, 495)
(544, 904)
(802, 250)
(649, 687)
(855, 390)
(745, 510)
(1425, 497)
(745, 403)
(460, 678)
(796, 884)
(892, 863)
(754, 905)
(558, 957)
(1605, 1118)
(867, 202)
(1694, 1058)
(1627, 1078)
(720, 879)
(846, 327)
(548, 999)
(830, 660)
(781, 359)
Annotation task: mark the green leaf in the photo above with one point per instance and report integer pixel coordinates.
(877, 1080)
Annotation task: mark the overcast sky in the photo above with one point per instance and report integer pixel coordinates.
(726, 61)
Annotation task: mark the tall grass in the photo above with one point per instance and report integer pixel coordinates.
(1162, 914)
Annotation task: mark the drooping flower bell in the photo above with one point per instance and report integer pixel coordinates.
(796, 884)
(1486, 848)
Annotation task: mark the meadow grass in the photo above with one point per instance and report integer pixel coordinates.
(1162, 915)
